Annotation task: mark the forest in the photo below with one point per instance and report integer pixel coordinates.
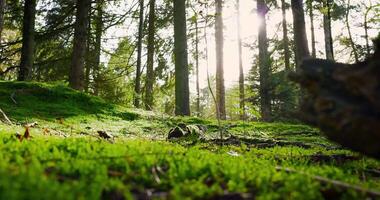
(196, 99)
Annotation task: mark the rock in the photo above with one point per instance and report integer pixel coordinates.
(187, 131)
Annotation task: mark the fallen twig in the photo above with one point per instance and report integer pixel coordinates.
(5, 117)
(13, 97)
(340, 184)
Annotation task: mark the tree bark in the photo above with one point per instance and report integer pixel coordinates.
(285, 36)
(2, 10)
(182, 93)
(327, 30)
(137, 95)
(241, 70)
(98, 44)
(150, 60)
(28, 42)
(76, 78)
(312, 29)
(219, 43)
(265, 100)
(300, 38)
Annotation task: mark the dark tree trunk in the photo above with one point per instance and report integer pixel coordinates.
(98, 44)
(285, 36)
(265, 100)
(137, 95)
(28, 43)
(327, 30)
(300, 38)
(241, 70)
(182, 102)
(312, 29)
(219, 43)
(150, 61)
(76, 78)
(2, 10)
(89, 53)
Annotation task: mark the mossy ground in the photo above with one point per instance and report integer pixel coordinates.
(66, 159)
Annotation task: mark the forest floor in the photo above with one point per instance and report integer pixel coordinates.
(65, 158)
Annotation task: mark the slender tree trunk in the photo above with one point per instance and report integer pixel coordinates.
(98, 44)
(137, 96)
(219, 43)
(327, 30)
(197, 66)
(352, 43)
(241, 70)
(182, 93)
(89, 54)
(28, 43)
(300, 38)
(150, 61)
(79, 50)
(285, 36)
(2, 10)
(312, 29)
(265, 100)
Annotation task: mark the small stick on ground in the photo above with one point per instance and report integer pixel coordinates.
(336, 183)
(13, 97)
(5, 117)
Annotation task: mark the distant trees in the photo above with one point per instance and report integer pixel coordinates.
(76, 78)
(219, 44)
(149, 81)
(285, 36)
(182, 93)
(28, 43)
(241, 71)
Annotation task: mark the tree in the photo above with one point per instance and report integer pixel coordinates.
(137, 95)
(352, 43)
(182, 93)
(327, 4)
(220, 90)
(300, 38)
(79, 49)
(98, 42)
(2, 8)
(241, 71)
(285, 36)
(264, 65)
(28, 43)
(150, 60)
(312, 29)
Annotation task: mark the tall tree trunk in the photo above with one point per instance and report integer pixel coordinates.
(197, 66)
(312, 29)
(28, 43)
(2, 10)
(241, 70)
(137, 95)
(285, 36)
(327, 29)
(89, 53)
(150, 61)
(79, 50)
(182, 93)
(265, 100)
(219, 43)
(352, 43)
(98, 44)
(300, 38)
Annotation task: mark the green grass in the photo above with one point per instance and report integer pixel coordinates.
(69, 161)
